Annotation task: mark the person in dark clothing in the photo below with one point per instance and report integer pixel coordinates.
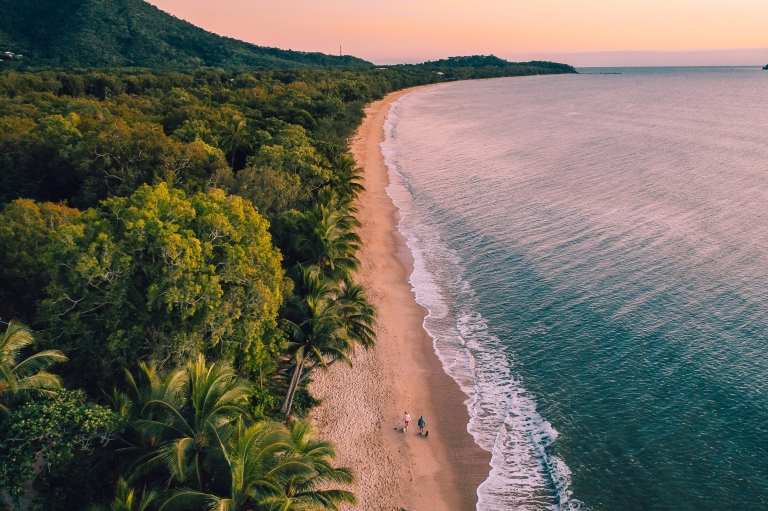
(422, 424)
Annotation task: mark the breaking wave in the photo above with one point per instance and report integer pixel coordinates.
(503, 416)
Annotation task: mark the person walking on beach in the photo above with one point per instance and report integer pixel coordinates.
(422, 424)
(407, 420)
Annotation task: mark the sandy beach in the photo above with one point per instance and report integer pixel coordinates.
(363, 407)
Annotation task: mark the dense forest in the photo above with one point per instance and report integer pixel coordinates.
(177, 258)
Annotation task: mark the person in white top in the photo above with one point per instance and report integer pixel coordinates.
(406, 420)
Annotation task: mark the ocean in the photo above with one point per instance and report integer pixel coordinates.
(593, 253)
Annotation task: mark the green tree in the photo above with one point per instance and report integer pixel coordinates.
(327, 322)
(37, 157)
(270, 190)
(194, 166)
(163, 276)
(51, 431)
(329, 242)
(290, 150)
(26, 229)
(348, 180)
(24, 378)
(127, 499)
(117, 158)
(260, 464)
(312, 490)
(191, 130)
(234, 135)
(180, 424)
(191, 432)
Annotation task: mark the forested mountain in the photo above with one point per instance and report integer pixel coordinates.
(128, 33)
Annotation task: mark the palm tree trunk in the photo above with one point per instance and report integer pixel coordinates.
(294, 383)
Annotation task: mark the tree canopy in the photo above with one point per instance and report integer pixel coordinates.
(26, 229)
(162, 276)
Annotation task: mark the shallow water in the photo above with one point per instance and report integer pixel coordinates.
(593, 251)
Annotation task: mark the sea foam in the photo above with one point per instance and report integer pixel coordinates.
(503, 416)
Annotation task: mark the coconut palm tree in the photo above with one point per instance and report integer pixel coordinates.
(21, 379)
(181, 423)
(311, 490)
(260, 462)
(349, 179)
(329, 241)
(359, 315)
(126, 499)
(190, 434)
(234, 135)
(326, 324)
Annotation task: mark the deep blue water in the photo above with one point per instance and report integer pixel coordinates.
(593, 250)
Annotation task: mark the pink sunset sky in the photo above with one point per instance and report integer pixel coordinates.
(580, 32)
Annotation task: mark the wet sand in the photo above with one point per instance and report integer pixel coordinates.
(363, 406)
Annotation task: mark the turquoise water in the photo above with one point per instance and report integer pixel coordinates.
(593, 251)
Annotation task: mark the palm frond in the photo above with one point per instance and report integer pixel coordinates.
(38, 362)
(186, 499)
(21, 380)
(15, 338)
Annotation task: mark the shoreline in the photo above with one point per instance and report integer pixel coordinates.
(363, 407)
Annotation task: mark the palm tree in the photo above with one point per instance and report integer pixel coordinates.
(234, 135)
(182, 423)
(260, 462)
(349, 185)
(359, 315)
(306, 491)
(326, 324)
(126, 499)
(22, 379)
(190, 432)
(330, 241)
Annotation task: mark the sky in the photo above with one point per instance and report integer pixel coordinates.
(580, 32)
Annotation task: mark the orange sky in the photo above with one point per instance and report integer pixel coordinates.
(393, 31)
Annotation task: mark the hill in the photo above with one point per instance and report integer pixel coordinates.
(129, 33)
(479, 61)
(485, 66)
